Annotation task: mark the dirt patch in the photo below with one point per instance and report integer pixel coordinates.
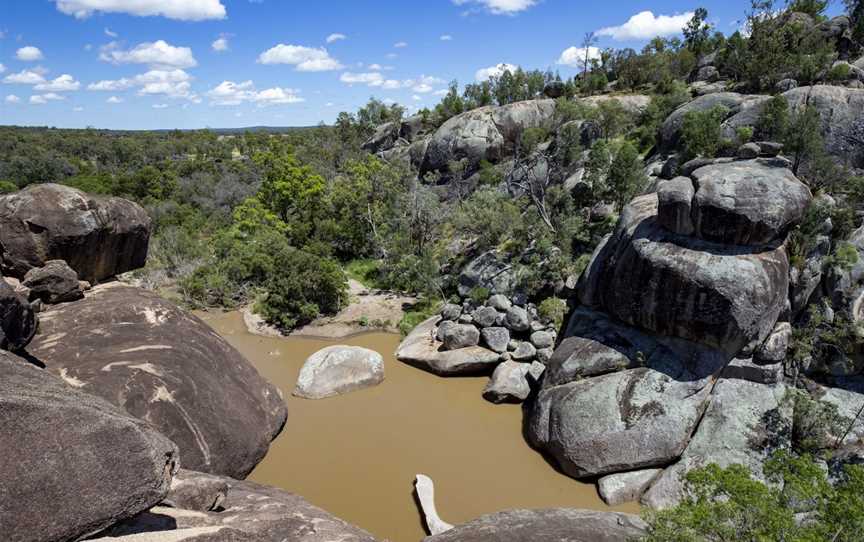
(368, 310)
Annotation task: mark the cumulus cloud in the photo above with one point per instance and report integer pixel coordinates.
(183, 10)
(29, 54)
(25, 77)
(574, 57)
(42, 99)
(494, 71)
(110, 34)
(221, 44)
(646, 25)
(12, 99)
(160, 106)
(232, 93)
(400, 44)
(115, 100)
(170, 83)
(158, 55)
(2, 68)
(421, 85)
(500, 7)
(305, 59)
(336, 37)
(446, 37)
(64, 83)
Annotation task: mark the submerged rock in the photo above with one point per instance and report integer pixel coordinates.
(337, 370)
(422, 349)
(550, 525)
(99, 237)
(163, 365)
(72, 463)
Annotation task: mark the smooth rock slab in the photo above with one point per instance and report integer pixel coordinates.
(617, 489)
(421, 349)
(249, 513)
(743, 425)
(337, 370)
(98, 236)
(163, 365)
(72, 464)
(551, 525)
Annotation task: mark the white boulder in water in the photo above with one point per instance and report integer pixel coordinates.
(426, 495)
(336, 370)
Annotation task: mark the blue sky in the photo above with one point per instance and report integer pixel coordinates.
(146, 64)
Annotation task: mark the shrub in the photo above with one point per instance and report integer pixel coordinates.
(7, 187)
(478, 295)
(423, 310)
(744, 133)
(702, 133)
(626, 175)
(773, 123)
(815, 424)
(839, 72)
(553, 310)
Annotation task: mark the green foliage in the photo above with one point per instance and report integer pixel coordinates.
(365, 271)
(701, 132)
(773, 122)
(697, 32)
(744, 134)
(804, 137)
(626, 175)
(420, 312)
(612, 118)
(8, 186)
(840, 72)
(816, 425)
(844, 257)
(553, 310)
(478, 295)
(814, 8)
(531, 137)
(726, 504)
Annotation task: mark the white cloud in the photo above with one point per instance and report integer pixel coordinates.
(160, 106)
(494, 71)
(184, 10)
(373, 79)
(25, 77)
(110, 34)
(424, 84)
(157, 55)
(12, 99)
(29, 54)
(220, 45)
(2, 68)
(306, 59)
(115, 100)
(392, 55)
(646, 25)
(336, 37)
(421, 85)
(231, 93)
(64, 83)
(446, 37)
(500, 7)
(574, 57)
(400, 44)
(170, 83)
(416, 98)
(78, 109)
(42, 99)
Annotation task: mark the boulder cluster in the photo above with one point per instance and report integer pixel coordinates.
(673, 358)
(106, 392)
(502, 335)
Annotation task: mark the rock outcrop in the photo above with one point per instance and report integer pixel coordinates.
(337, 370)
(735, 103)
(54, 283)
(72, 463)
(422, 349)
(249, 512)
(99, 237)
(485, 133)
(550, 525)
(18, 322)
(163, 365)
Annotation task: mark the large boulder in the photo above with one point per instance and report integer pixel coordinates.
(98, 236)
(486, 133)
(670, 130)
(247, 513)
(747, 203)
(163, 365)
(422, 349)
(72, 463)
(628, 420)
(54, 283)
(744, 425)
(550, 525)
(633, 104)
(646, 276)
(384, 137)
(337, 370)
(18, 322)
(492, 271)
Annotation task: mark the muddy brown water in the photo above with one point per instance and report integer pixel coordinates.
(356, 455)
